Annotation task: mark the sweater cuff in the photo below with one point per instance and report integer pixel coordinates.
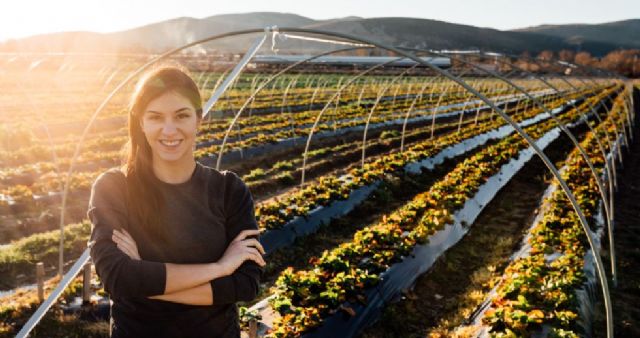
(153, 276)
(224, 290)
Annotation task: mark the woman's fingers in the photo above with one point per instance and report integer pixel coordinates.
(254, 242)
(118, 238)
(115, 236)
(244, 233)
(125, 247)
(126, 244)
(130, 249)
(258, 259)
(125, 236)
(119, 235)
(254, 255)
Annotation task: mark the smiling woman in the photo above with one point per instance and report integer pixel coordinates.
(174, 242)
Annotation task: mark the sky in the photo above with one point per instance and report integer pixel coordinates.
(29, 17)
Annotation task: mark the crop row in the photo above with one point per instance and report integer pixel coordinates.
(463, 182)
(539, 289)
(275, 214)
(343, 116)
(303, 298)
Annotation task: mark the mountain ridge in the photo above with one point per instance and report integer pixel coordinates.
(598, 39)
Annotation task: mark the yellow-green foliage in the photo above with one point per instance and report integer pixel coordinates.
(22, 254)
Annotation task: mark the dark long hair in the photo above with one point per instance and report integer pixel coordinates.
(146, 201)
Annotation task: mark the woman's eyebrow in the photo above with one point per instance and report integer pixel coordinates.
(177, 111)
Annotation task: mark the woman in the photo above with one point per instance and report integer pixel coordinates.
(174, 242)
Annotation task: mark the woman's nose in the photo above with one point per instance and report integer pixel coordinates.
(169, 127)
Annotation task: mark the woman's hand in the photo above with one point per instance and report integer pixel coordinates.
(242, 249)
(125, 242)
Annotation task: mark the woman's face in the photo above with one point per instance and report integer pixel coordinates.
(170, 123)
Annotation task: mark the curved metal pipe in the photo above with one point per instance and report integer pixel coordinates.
(564, 129)
(442, 72)
(410, 110)
(373, 108)
(260, 88)
(607, 202)
(545, 159)
(319, 116)
(435, 108)
(121, 85)
(612, 102)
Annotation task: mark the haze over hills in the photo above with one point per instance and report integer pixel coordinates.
(624, 34)
(597, 39)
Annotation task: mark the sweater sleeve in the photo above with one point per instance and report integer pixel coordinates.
(243, 284)
(122, 276)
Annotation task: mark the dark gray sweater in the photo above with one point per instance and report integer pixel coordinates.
(203, 215)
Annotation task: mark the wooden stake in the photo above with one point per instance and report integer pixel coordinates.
(40, 280)
(86, 283)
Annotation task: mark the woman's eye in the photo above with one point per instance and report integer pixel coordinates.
(183, 116)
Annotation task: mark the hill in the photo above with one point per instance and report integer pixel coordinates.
(410, 32)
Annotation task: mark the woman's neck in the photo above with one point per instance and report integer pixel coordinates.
(174, 172)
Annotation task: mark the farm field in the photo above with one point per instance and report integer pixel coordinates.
(390, 204)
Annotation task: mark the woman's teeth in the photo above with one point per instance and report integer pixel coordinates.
(170, 143)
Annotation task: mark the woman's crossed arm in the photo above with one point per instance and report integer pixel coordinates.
(191, 283)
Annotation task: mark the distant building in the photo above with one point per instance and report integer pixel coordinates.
(329, 61)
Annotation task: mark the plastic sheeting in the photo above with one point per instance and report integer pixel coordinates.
(302, 107)
(283, 144)
(587, 294)
(301, 226)
(476, 141)
(402, 275)
(272, 240)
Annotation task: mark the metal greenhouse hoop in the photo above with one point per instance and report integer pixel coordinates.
(364, 42)
(585, 156)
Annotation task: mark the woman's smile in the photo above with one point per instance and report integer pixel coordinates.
(170, 145)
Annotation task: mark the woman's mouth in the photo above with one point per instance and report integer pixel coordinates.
(170, 144)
